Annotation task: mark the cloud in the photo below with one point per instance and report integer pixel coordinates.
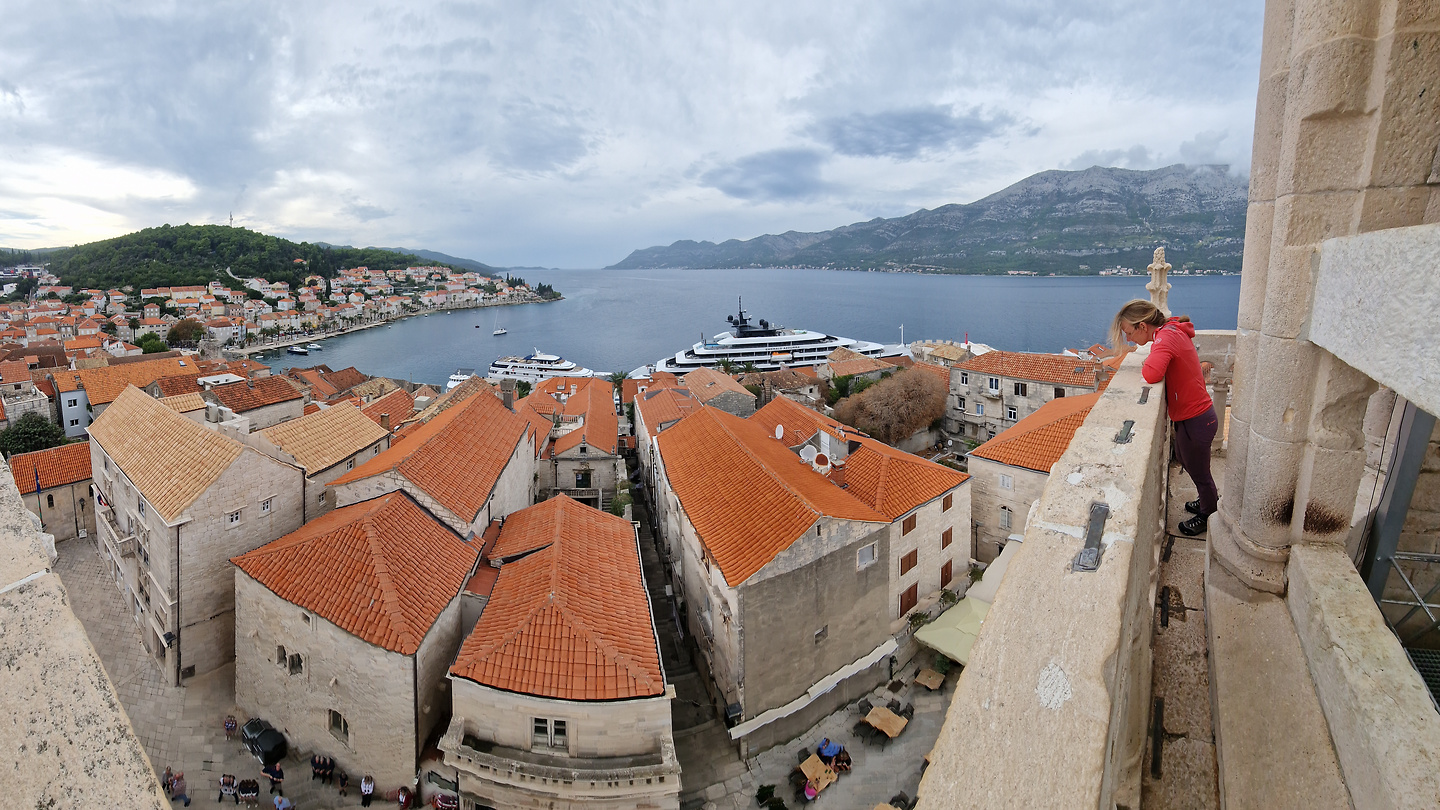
(778, 174)
(1203, 148)
(1136, 157)
(909, 132)
(365, 212)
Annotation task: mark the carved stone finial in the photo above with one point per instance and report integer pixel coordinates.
(1159, 288)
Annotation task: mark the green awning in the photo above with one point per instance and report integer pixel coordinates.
(954, 631)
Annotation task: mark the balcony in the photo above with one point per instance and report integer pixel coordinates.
(121, 543)
(580, 493)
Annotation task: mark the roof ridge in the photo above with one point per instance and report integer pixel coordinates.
(603, 645)
(380, 566)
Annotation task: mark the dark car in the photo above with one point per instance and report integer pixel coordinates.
(267, 744)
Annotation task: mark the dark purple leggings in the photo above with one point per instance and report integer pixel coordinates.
(1192, 446)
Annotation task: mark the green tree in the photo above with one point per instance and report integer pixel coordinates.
(31, 432)
(150, 343)
(522, 389)
(188, 330)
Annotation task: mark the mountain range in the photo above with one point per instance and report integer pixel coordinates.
(1061, 222)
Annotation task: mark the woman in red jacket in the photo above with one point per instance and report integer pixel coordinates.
(1173, 359)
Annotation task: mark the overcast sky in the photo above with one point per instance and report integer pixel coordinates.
(570, 134)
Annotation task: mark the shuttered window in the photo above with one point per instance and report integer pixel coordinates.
(947, 538)
(945, 573)
(947, 503)
(908, 526)
(909, 599)
(908, 562)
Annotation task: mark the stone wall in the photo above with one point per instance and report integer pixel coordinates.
(271, 415)
(64, 511)
(373, 688)
(931, 522)
(972, 388)
(987, 496)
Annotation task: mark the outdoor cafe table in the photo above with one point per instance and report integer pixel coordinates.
(818, 772)
(887, 721)
(930, 679)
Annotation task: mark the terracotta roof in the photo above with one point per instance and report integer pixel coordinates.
(593, 401)
(311, 407)
(657, 408)
(799, 421)
(58, 466)
(184, 403)
(748, 496)
(14, 371)
(939, 372)
(707, 383)
(103, 385)
(784, 379)
(175, 386)
(398, 403)
(1055, 369)
(570, 621)
(1037, 441)
(248, 395)
(345, 378)
(374, 387)
(456, 458)
(859, 365)
(382, 570)
(169, 458)
(325, 438)
(455, 396)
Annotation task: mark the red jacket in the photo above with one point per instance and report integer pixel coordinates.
(1173, 358)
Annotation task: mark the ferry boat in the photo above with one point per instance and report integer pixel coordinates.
(535, 367)
(769, 346)
(460, 376)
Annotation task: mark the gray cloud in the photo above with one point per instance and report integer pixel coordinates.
(907, 133)
(1136, 157)
(778, 174)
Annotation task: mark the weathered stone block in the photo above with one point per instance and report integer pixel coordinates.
(1321, 21)
(1284, 381)
(1289, 284)
(1232, 492)
(1269, 137)
(1242, 388)
(1271, 470)
(1259, 224)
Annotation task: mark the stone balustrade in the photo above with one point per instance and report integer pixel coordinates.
(1052, 709)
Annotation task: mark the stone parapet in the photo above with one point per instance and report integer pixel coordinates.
(1052, 709)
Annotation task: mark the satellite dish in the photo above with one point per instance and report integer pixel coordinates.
(822, 460)
(779, 431)
(808, 454)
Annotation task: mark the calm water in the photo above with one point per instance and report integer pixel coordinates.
(617, 320)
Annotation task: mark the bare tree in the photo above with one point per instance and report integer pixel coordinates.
(894, 408)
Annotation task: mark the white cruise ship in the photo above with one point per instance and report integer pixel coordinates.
(535, 367)
(768, 345)
(460, 376)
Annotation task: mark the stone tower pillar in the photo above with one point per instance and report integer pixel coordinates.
(1159, 287)
(1346, 126)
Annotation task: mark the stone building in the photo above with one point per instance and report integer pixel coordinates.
(720, 390)
(18, 395)
(327, 444)
(266, 401)
(469, 464)
(656, 410)
(580, 455)
(771, 545)
(82, 395)
(993, 391)
(801, 386)
(55, 484)
(1008, 473)
(559, 697)
(344, 630)
(176, 500)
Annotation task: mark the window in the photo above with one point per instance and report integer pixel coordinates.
(320, 497)
(233, 518)
(349, 463)
(549, 734)
(960, 403)
(339, 726)
(280, 656)
(140, 506)
(1059, 392)
(582, 479)
(107, 464)
(908, 525)
(1011, 413)
(991, 432)
(909, 599)
(964, 378)
(50, 501)
(907, 563)
(297, 665)
(265, 506)
(945, 573)
(822, 634)
(1005, 517)
(993, 384)
(72, 402)
(582, 449)
(865, 556)
(947, 503)
(979, 409)
(1021, 390)
(74, 423)
(1007, 482)
(946, 538)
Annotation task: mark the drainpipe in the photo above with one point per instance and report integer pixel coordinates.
(177, 606)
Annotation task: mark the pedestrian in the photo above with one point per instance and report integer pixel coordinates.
(276, 775)
(367, 790)
(317, 765)
(167, 779)
(344, 779)
(228, 787)
(230, 726)
(1173, 359)
(179, 790)
(282, 803)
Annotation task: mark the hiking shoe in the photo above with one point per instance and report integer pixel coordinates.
(1194, 526)
(1193, 507)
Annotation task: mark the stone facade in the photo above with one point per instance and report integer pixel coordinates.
(927, 540)
(583, 472)
(178, 577)
(990, 494)
(65, 511)
(978, 410)
(389, 702)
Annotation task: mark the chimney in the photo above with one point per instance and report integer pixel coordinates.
(507, 393)
(385, 421)
(837, 474)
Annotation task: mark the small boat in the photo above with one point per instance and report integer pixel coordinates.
(314, 346)
(499, 330)
(297, 350)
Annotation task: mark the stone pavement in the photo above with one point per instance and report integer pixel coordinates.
(179, 727)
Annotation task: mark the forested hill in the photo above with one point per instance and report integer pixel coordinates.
(1051, 222)
(195, 254)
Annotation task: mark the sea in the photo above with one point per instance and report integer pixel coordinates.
(619, 320)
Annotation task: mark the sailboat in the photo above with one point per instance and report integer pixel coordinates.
(499, 330)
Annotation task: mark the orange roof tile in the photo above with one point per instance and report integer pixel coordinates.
(1037, 441)
(247, 395)
(398, 403)
(382, 570)
(456, 457)
(707, 383)
(571, 620)
(799, 421)
(323, 439)
(1056, 369)
(859, 365)
(748, 496)
(103, 385)
(169, 458)
(940, 372)
(658, 408)
(14, 371)
(57, 466)
(175, 386)
(184, 403)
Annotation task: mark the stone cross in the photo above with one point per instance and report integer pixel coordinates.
(1159, 288)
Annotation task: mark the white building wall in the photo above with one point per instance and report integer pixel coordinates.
(987, 496)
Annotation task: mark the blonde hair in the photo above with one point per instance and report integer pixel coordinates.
(1134, 313)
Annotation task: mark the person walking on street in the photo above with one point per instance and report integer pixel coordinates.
(367, 790)
(276, 775)
(1173, 359)
(179, 790)
(228, 787)
(167, 779)
(282, 803)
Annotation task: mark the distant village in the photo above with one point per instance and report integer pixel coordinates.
(488, 594)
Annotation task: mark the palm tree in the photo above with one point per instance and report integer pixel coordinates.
(727, 365)
(748, 368)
